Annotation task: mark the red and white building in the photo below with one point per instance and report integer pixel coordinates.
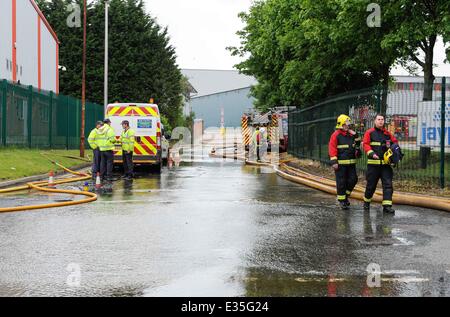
(29, 48)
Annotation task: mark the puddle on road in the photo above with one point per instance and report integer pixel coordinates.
(262, 284)
(172, 234)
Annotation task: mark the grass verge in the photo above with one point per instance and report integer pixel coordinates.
(17, 163)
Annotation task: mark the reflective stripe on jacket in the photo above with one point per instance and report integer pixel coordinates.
(94, 137)
(342, 147)
(109, 138)
(127, 139)
(377, 141)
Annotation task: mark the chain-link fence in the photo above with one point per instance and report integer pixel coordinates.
(415, 123)
(42, 119)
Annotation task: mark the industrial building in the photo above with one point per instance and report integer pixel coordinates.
(28, 46)
(219, 95)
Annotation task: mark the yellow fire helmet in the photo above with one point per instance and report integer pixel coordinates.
(343, 119)
(387, 157)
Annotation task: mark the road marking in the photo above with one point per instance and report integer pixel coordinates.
(400, 272)
(403, 241)
(319, 279)
(250, 279)
(390, 272)
(314, 273)
(406, 279)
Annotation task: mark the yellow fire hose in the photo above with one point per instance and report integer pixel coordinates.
(229, 155)
(87, 160)
(41, 186)
(329, 186)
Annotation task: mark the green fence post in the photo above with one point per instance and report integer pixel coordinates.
(50, 121)
(30, 114)
(319, 130)
(378, 99)
(443, 134)
(67, 124)
(4, 101)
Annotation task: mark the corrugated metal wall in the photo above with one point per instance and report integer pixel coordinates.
(27, 46)
(234, 103)
(5, 39)
(48, 47)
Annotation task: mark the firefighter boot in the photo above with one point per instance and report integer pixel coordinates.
(366, 206)
(347, 202)
(388, 210)
(343, 205)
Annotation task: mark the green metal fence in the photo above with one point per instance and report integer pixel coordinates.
(42, 119)
(416, 124)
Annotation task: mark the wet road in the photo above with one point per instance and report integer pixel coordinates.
(220, 228)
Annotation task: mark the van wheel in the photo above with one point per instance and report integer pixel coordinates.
(157, 168)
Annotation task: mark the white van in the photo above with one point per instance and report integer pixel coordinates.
(150, 147)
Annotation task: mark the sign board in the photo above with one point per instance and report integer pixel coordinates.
(144, 123)
(429, 123)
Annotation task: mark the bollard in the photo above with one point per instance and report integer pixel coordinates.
(170, 160)
(51, 179)
(98, 181)
(177, 159)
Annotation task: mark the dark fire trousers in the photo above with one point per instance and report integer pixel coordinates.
(374, 173)
(96, 162)
(346, 179)
(127, 163)
(107, 162)
(258, 148)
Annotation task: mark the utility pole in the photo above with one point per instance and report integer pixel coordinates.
(83, 85)
(443, 119)
(106, 53)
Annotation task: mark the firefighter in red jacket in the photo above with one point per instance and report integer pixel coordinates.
(343, 149)
(376, 142)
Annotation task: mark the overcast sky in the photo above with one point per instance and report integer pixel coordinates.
(200, 30)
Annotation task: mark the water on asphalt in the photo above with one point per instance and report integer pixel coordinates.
(219, 228)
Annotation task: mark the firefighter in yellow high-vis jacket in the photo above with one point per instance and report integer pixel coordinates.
(127, 140)
(94, 138)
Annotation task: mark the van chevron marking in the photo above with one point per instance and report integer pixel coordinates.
(148, 132)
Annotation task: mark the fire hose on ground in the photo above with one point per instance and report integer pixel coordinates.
(43, 187)
(329, 186)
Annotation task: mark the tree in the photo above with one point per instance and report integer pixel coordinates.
(71, 44)
(142, 63)
(419, 23)
(302, 50)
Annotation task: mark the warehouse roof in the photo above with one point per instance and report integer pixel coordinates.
(413, 79)
(208, 81)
